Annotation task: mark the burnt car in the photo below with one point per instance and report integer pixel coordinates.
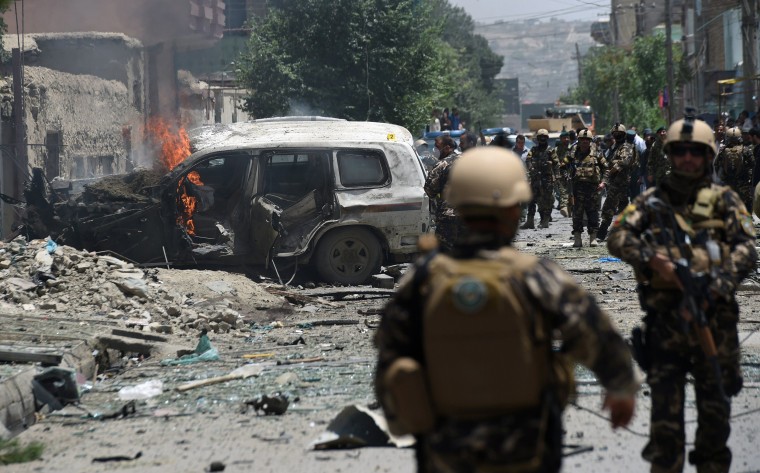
(343, 197)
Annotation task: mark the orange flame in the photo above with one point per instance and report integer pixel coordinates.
(189, 203)
(172, 139)
(175, 148)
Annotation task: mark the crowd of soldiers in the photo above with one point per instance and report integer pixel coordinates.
(582, 169)
(468, 359)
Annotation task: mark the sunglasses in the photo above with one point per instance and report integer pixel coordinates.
(680, 150)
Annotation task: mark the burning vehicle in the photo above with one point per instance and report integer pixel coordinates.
(343, 197)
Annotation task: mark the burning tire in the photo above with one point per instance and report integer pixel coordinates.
(348, 256)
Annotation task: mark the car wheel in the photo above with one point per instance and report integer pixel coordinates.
(348, 256)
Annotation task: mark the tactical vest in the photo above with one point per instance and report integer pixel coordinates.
(540, 166)
(486, 352)
(733, 163)
(620, 163)
(702, 222)
(587, 169)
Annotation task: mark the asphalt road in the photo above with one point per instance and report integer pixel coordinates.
(188, 431)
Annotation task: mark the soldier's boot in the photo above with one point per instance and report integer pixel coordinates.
(545, 221)
(592, 239)
(578, 240)
(601, 234)
(563, 211)
(529, 223)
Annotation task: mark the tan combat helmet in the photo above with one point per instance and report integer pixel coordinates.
(691, 131)
(542, 132)
(619, 127)
(585, 133)
(734, 134)
(487, 176)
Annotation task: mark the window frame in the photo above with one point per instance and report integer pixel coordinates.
(365, 151)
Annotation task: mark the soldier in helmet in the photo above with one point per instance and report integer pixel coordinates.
(690, 242)
(586, 170)
(455, 338)
(559, 153)
(658, 164)
(734, 165)
(541, 171)
(622, 159)
(447, 224)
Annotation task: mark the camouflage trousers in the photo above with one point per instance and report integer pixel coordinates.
(746, 194)
(544, 200)
(448, 228)
(672, 354)
(503, 445)
(560, 192)
(617, 199)
(586, 205)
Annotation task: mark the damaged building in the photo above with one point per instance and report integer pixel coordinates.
(94, 74)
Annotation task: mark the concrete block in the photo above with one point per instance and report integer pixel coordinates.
(383, 281)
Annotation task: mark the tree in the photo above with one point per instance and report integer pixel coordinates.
(355, 59)
(381, 60)
(4, 6)
(633, 78)
(473, 68)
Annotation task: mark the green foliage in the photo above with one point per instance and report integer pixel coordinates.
(12, 452)
(634, 77)
(355, 59)
(472, 69)
(380, 60)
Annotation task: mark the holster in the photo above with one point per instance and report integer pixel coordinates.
(640, 348)
(408, 402)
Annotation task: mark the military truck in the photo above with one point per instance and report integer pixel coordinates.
(563, 117)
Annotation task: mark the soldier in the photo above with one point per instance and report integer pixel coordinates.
(541, 170)
(621, 160)
(658, 164)
(447, 224)
(684, 227)
(735, 164)
(586, 169)
(465, 360)
(559, 153)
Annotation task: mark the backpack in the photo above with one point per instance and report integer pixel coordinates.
(487, 351)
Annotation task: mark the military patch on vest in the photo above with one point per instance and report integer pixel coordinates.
(746, 222)
(620, 219)
(469, 294)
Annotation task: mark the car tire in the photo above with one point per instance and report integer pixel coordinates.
(348, 256)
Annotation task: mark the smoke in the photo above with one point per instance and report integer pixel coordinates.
(299, 108)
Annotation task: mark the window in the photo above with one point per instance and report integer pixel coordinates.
(362, 168)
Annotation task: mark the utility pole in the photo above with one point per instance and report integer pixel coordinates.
(749, 45)
(669, 56)
(19, 122)
(578, 58)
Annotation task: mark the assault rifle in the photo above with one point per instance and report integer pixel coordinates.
(570, 187)
(695, 291)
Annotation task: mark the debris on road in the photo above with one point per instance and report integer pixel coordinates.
(358, 426)
(242, 372)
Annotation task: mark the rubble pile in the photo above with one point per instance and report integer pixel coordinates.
(41, 276)
(131, 187)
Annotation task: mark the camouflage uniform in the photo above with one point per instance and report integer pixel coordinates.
(457, 445)
(586, 172)
(541, 171)
(448, 226)
(623, 159)
(658, 165)
(672, 349)
(734, 166)
(559, 153)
